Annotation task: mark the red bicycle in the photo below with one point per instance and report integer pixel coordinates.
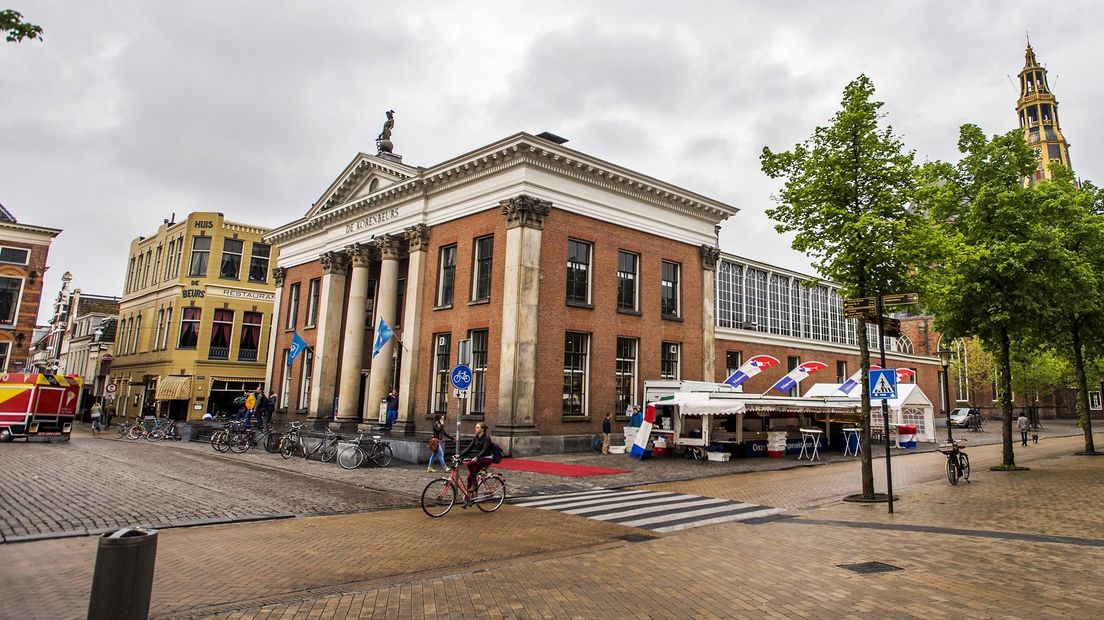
(440, 494)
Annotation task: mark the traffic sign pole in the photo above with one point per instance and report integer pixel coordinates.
(885, 404)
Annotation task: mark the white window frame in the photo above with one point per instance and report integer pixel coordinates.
(667, 349)
(314, 293)
(293, 307)
(18, 302)
(26, 261)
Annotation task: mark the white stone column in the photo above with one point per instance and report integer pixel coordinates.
(379, 380)
(520, 300)
(328, 340)
(417, 242)
(710, 255)
(352, 354)
(270, 358)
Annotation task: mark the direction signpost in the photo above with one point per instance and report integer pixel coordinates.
(461, 379)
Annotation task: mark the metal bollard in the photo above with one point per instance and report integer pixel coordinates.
(123, 576)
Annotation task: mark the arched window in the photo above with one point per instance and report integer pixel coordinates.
(373, 185)
(962, 363)
(904, 344)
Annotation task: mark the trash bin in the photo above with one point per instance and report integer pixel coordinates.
(123, 575)
(906, 435)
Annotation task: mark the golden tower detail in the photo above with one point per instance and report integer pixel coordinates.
(1038, 112)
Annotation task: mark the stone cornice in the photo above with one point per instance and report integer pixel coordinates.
(520, 149)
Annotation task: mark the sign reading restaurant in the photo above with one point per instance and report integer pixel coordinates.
(238, 293)
(369, 221)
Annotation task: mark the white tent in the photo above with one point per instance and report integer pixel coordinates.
(911, 406)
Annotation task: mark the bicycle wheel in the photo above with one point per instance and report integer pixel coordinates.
(964, 466)
(135, 432)
(490, 492)
(223, 443)
(155, 435)
(215, 437)
(351, 457)
(239, 443)
(120, 431)
(287, 447)
(438, 497)
(381, 456)
(272, 442)
(952, 471)
(329, 453)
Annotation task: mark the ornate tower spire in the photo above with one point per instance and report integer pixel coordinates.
(1038, 112)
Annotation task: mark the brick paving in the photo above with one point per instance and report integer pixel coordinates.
(538, 564)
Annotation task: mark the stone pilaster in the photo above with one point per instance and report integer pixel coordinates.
(417, 243)
(331, 300)
(520, 300)
(379, 380)
(710, 256)
(352, 353)
(273, 329)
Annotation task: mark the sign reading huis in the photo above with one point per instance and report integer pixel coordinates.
(369, 221)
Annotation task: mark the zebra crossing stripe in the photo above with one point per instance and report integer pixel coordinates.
(658, 511)
(560, 503)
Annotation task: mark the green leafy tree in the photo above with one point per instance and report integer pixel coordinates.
(12, 24)
(977, 368)
(846, 196)
(993, 283)
(1077, 294)
(1039, 371)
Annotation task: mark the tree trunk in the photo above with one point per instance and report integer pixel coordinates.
(1082, 388)
(1005, 378)
(864, 438)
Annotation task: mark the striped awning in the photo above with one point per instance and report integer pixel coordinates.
(174, 387)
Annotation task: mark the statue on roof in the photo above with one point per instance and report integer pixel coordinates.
(383, 142)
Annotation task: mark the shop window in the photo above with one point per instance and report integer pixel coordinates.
(201, 249)
(258, 262)
(575, 374)
(189, 328)
(446, 276)
(231, 258)
(578, 272)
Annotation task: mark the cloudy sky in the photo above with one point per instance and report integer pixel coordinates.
(132, 110)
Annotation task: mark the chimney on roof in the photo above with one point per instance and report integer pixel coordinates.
(551, 137)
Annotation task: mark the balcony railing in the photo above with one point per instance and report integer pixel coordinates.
(247, 355)
(219, 353)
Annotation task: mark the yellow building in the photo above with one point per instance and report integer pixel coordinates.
(194, 319)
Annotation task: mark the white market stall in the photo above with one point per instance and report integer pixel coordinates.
(911, 407)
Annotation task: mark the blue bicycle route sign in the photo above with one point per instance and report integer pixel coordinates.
(461, 377)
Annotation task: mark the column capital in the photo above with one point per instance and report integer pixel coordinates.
(525, 211)
(360, 254)
(417, 237)
(278, 274)
(710, 255)
(390, 247)
(334, 262)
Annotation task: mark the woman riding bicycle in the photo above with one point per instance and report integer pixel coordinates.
(478, 455)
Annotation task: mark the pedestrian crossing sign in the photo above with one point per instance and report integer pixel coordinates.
(883, 383)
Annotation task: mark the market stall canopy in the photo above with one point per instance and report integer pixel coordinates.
(174, 387)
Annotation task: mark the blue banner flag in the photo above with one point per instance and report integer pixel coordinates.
(297, 346)
(384, 333)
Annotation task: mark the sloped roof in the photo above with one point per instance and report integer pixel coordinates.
(6, 216)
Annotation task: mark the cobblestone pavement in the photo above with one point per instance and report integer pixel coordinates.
(92, 484)
(1017, 545)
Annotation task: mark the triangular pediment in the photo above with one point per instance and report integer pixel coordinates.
(365, 175)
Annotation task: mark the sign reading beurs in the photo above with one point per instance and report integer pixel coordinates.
(369, 221)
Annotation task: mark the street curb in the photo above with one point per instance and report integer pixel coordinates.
(153, 526)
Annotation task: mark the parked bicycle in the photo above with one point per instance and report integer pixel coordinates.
(121, 428)
(143, 427)
(958, 464)
(165, 431)
(223, 438)
(440, 494)
(247, 439)
(379, 452)
(292, 443)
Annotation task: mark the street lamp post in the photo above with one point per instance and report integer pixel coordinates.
(945, 361)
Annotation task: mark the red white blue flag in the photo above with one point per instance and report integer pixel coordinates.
(752, 367)
(795, 376)
(853, 381)
(640, 444)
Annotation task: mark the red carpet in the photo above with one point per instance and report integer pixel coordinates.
(557, 469)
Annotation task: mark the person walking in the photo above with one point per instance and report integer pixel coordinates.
(479, 451)
(607, 426)
(1024, 425)
(250, 406)
(392, 409)
(440, 434)
(96, 414)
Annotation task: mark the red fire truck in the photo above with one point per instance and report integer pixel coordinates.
(37, 405)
